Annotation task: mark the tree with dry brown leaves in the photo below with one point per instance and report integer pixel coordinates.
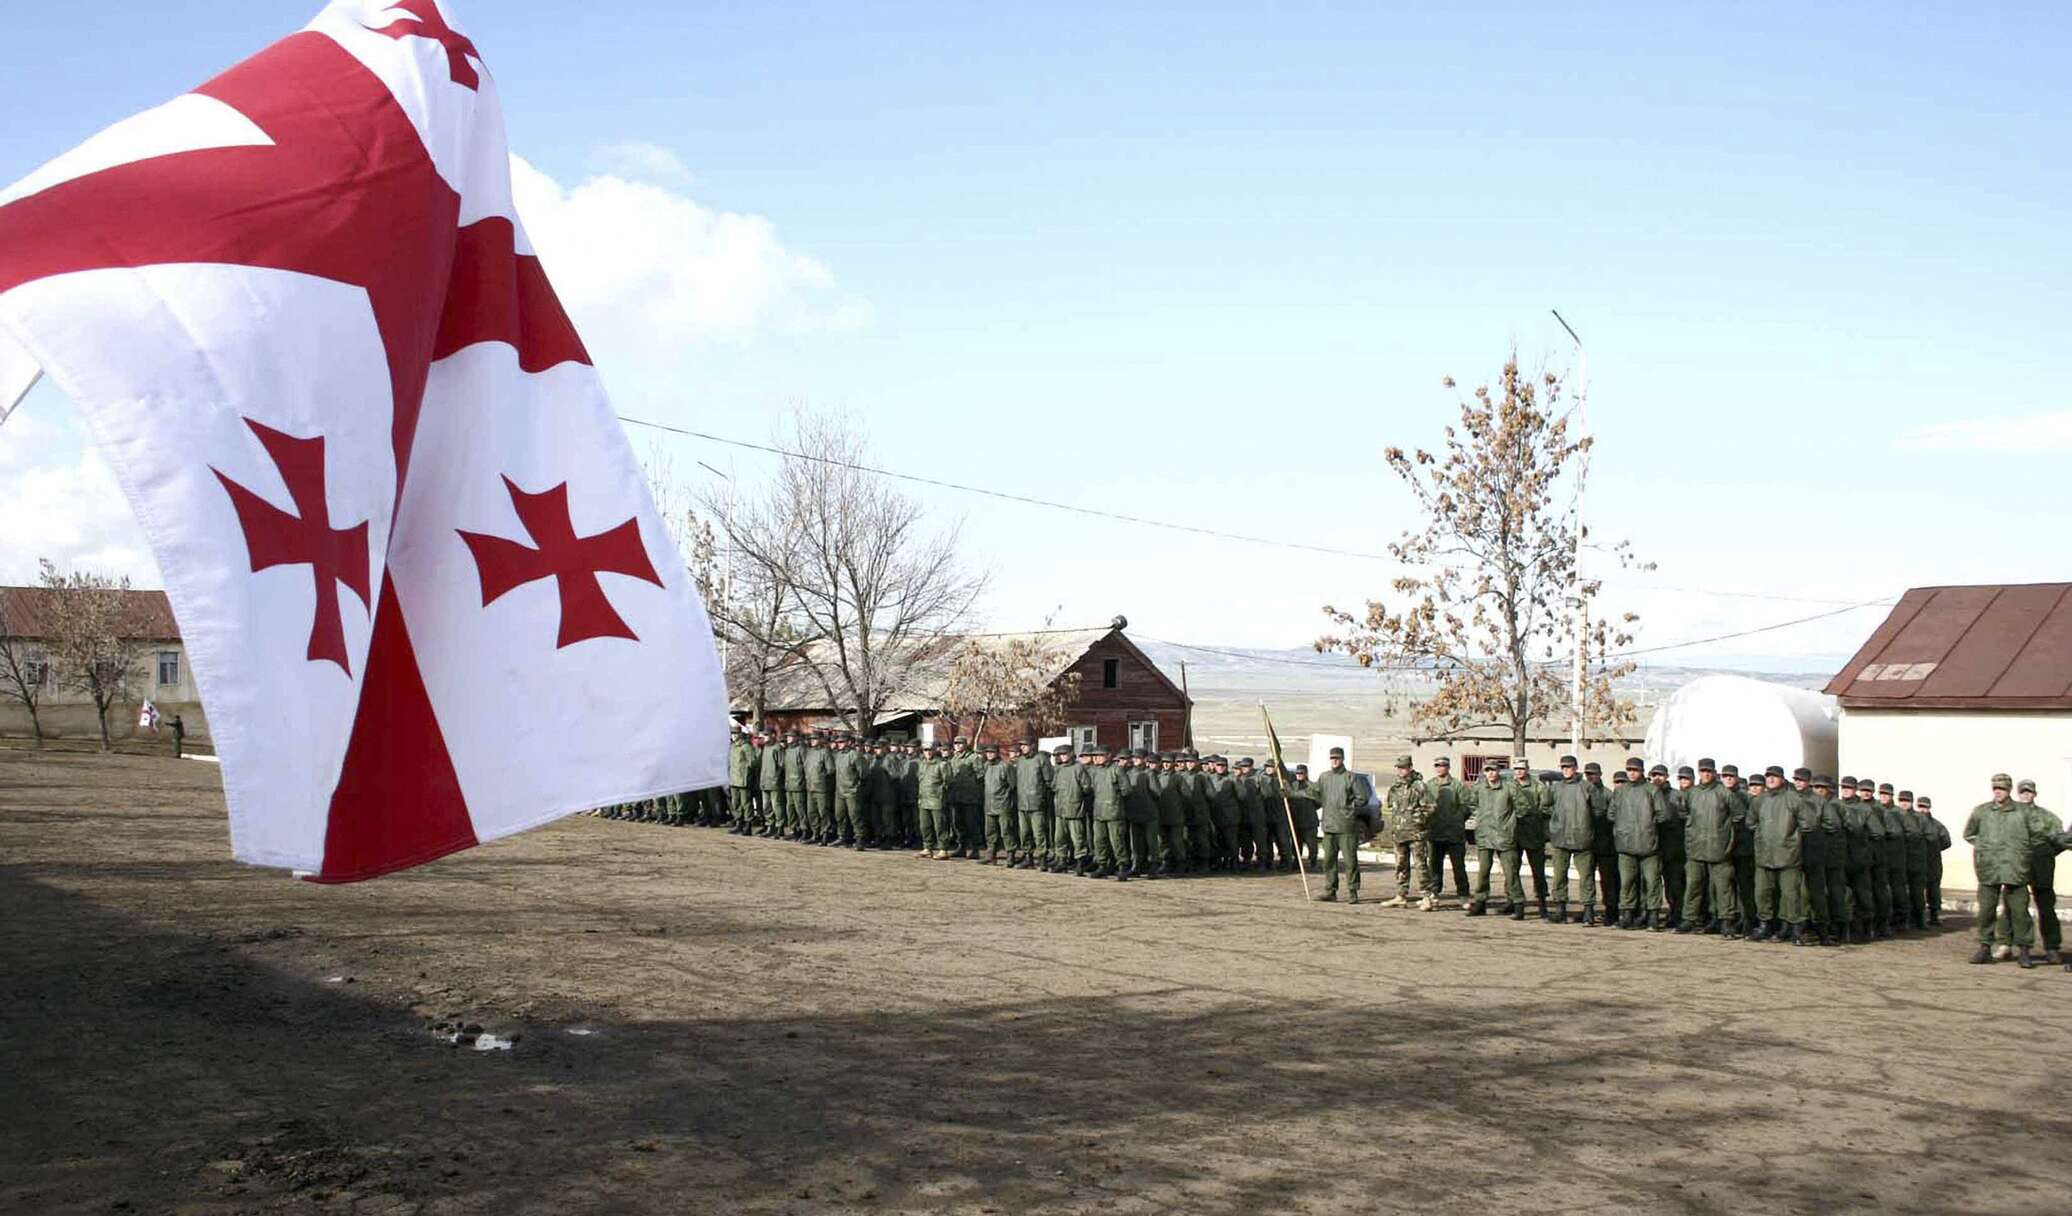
(1014, 676)
(95, 636)
(1483, 609)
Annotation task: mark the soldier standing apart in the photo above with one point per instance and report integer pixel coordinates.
(966, 796)
(1536, 802)
(1572, 830)
(1605, 854)
(1032, 803)
(932, 799)
(2043, 867)
(1340, 804)
(1711, 816)
(1496, 840)
(1637, 814)
(997, 781)
(1446, 837)
(1068, 813)
(179, 733)
(1111, 830)
(2003, 839)
(1409, 810)
(1938, 842)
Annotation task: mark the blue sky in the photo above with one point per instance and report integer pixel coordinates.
(1205, 262)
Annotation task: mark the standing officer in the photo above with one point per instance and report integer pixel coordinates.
(1201, 828)
(1605, 851)
(1496, 840)
(932, 799)
(1875, 911)
(1812, 851)
(1140, 812)
(795, 814)
(1916, 838)
(1572, 830)
(2003, 843)
(1445, 838)
(1224, 812)
(1111, 828)
(1780, 897)
(848, 803)
(1409, 810)
(888, 763)
(1032, 803)
(966, 799)
(1536, 802)
(1938, 842)
(1895, 860)
(997, 781)
(741, 756)
(1251, 823)
(1338, 796)
(1172, 816)
(1710, 819)
(1068, 793)
(769, 777)
(820, 787)
(1834, 870)
(1638, 813)
(2043, 867)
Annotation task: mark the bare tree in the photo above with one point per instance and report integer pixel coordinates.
(842, 575)
(1010, 676)
(1494, 571)
(24, 671)
(96, 636)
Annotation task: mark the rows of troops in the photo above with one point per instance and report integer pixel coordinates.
(1801, 859)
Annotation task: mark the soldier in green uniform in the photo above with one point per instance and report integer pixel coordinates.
(997, 781)
(1812, 852)
(1251, 816)
(1068, 808)
(847, 766)
(2043, 867)
(1536, 803)
(1711, 816)
(1605, 854)
(1496, 809)
(2003, 838)
(1280, 812)
(1834, 871)
(1201, 827)
(1638, 813)
(1302, 800)
(741, 758)
(1408, 806)
(1916, 863)
(1224, 812)
(795, 818)
(1107, 788)
(1172, 816)
(1338, 796)
(820, 788)
(1895, 859)
(966, 800)
(887, 764)
(1445, 837)
(932, 799)
(1572, 831)
(1032, 805)
(1938, 843)
(1140, 811)
(769, 779)
(1780, 897)
(1672, 842)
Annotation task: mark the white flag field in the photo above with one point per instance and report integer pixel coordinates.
(423, 587)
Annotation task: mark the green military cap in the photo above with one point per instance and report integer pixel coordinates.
(1908, 795)
(2025, 786)
(1821, 781)
(1684, 771)
(1884, 787)
(1848, 783)
(1568, 762)
(1404, 762)
(1337, 753)
(1244, 762)
(2001, 781)
(1660, 770)
(1593, 769)
(960, 739)
(1730, 770)
(1302, 768)
(989, 747)
(1518, 762)
(1636, 764)
(1923, 802)
(1062, 749)
(1442, 762)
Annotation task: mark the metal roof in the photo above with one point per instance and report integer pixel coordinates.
(1986, 647)
(24, 613)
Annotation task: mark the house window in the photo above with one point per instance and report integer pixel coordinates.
(1144, 735)
(1083, 737)
(168, 668)
(1111, 671)
(37, 670)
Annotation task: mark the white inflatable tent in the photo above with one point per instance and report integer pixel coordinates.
(1750, 723)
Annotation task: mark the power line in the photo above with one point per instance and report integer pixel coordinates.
(1885, 602)
(1027, 500)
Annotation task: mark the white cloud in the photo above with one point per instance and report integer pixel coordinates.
(2023, 435)
(62, 501)
(645, 270)
(644, 161)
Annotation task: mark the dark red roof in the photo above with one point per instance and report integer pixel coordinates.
(1991, 647)
(22, 608)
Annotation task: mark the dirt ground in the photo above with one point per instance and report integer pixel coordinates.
(725, 1025)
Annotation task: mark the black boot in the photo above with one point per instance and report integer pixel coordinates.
(1798, 934)
(1560, 912)
(1686, 928)
(1984, 954)
(1543, 910)
(1730, 930)
(1589, 914)
(1655, 922)
(1514, 910)
(1477, 909)
(2024, 959)
(1762, 932)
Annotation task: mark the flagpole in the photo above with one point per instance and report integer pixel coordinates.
(1280, 776)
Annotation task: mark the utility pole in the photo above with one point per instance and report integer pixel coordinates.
(726, 577)
(1575, 721)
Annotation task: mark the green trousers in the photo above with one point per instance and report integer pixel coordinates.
(1035, 835)
(2003, 916)
(1486, 861)
(2047, 927)
(1813, 875)
(1713, 880)
(1780, 892)
(1640, 883)
(937, 835)
(1000, 832)
(1143, 836)
(1341, 851)
(1075, 840)
(1535, 857)
(848, 817)
(1173, 837)
(1111, 844)
(1917, 892)
(1586, 874)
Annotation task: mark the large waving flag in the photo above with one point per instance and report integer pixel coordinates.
(424, 589)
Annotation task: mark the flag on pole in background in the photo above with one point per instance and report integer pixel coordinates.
(301, 317)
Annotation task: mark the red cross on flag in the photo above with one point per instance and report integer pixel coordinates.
(420, 579)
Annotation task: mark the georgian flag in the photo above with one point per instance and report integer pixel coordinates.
(425, 592)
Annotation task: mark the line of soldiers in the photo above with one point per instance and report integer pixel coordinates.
(1133, 815)
(1775, 860)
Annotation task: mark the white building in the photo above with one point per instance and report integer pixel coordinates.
(1960, 683)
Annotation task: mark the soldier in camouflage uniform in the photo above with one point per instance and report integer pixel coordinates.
(1408, 805)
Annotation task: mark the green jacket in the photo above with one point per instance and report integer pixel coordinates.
(1536, 804)
(795, 767)
(1601, 798)
(741, 762)
(998, 780)
(1224, 811)
(1339, 797)
(1865, 828)
(899, 777)
(769, 771)
(1449, 819)
(881, 780)
(1638, 812)
(1139, 803)
(2003, 837)
(1917, 837)
(1251, 803)
(1497, 810)
(1710, 817)
(1172, 802)
(1194, 791)
(1672, 833)
(820, 770)
(1572, 819)
(1107, 785)
(1744, 822)
(1302, 800)
(1895, 835)
(1812, 836)
(848, 766)
(931, 783)
(1779, 829)
(1032, 783)
(1068, 790)
(2043, 860)
(967, 777)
